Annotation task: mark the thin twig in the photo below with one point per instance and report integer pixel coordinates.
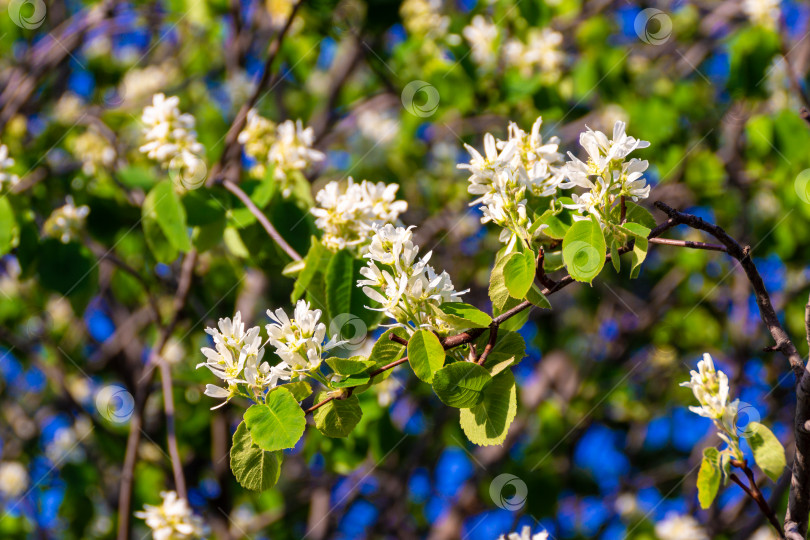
(688, 244)
(274, 234)
(755, 494)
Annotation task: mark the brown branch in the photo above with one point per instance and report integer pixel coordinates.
(274, 234)
(755, 494)
(688, 244)
(799, 502)
(142, 392)
(493, 337)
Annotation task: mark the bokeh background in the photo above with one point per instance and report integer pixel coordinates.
(603, 442)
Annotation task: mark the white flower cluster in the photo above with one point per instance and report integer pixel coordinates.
(482, 36)
(606, 174)
(94, 151)
(6, 162)
(13, 479)
(525, 534)
(347, 216)
(424, 18)
(763, 12)
(66, 222)
(171, 139)
(680, 527)
(286, 147)
(407, 288)
(508, 172)
(173, 519)
(711, 389)
(542, 51)
(237, 354)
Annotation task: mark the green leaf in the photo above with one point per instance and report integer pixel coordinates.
(163, 205)
(351, 381)
(9, 231)
(137, 177)
(509, 349)
(614, 255)
(488, 422)
(461, 384)
(536, 297)
(637, 230)
(638, 214)
(159, 245)
(349, 366)
(316, 261)
(518, 273)
(557, 226)
(234, 243)
(584, 250)
(553, 261)
(343, 296)
(498, 292)
(300, 390)
(277, 424)
(464, 316)
(69, 269)
(383, 353)
(338, 417)
(768, 451)
(425, 354)
(709, 476)
(638, 255)
(254, 468)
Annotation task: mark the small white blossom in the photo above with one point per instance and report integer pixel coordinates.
(525, 534)
(542, 51)
(7, 179)
(139, 84)
(299, 341)
(482, 36)
(347, 216)
(406, 287)
(423, 18)
(510, 171)
(173, 519)
(606, 174)
(66, 222)
(170, 137)
(762, 12)
(680, 527)
(94, 151)
(287, 147)
(13, 479)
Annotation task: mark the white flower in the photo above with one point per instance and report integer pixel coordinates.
(525, 534)
(508, 172)
(347, 216)
(481, 36)
(94, 151)
(66, 223)
(406, 287)
(605, 174)
(380, 127)
(64, 447)
(6, 178)
(170, 136)
(138, 84)
(292, 151)
(298, 341)
(422, 17)
(763, 12)
(237, 359)
(710, 388)
(173, 519)
(542, 51)
(680, 527)
(13, 479)
(257, 136)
